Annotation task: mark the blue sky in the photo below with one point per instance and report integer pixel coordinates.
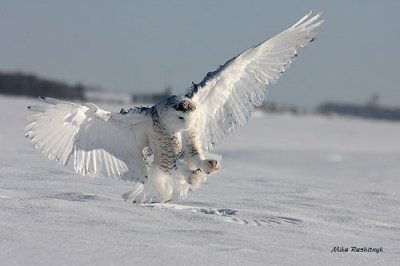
(142, 46)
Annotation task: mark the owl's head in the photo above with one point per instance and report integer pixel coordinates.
(176, 113)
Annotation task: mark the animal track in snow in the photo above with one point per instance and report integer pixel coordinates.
(205, 210)
(271, 220)
(75, 196)
(228, 215)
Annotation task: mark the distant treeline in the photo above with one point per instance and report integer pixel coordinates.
(373, 111)
(31, 85)
(271, 107)
(34, 86)
(151, 97)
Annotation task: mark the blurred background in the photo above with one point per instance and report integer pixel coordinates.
(139, 51)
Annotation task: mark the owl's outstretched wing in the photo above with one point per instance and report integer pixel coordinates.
(227, 96)
(100, 142)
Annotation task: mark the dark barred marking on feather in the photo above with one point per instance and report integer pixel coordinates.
(167, 145)
(136, 110)
(193, 143)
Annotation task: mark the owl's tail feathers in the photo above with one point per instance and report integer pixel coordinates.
(134, 192)
(159, 187)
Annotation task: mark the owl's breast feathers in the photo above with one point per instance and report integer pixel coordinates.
(167, 147)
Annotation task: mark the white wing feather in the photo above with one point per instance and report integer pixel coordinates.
(228, 95)
(100, 142)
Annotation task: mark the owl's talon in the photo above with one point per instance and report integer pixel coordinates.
(197, 171)
(212, 166)
(195, 179)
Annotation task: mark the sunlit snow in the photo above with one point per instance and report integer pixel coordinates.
(291, 188)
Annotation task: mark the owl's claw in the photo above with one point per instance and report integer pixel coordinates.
(196, 172)
(211, 166)
(196, 178)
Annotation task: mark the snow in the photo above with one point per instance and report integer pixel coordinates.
(290, 189)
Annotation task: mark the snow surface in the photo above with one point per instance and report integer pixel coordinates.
(290, 189)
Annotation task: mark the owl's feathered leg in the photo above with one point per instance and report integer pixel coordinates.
(199, 165)
(194, 154)
(198, 176)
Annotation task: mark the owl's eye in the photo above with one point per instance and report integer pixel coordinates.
(180, 117)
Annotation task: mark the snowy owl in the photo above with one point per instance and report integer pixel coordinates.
(165, 148)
